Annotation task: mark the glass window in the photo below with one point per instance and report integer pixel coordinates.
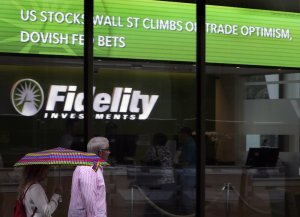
(252, 122)
(147, 164)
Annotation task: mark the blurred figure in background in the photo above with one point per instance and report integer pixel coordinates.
(72, 138)
(187, 176)
(159, 159)
(159, 155)
(188, 153)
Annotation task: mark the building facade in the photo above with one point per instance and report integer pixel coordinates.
(145, 86)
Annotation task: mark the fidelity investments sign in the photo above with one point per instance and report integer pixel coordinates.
(124, 103)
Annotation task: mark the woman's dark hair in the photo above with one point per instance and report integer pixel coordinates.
(159, 139)
(33, 174)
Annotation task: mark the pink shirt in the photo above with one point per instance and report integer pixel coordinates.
(88, 195)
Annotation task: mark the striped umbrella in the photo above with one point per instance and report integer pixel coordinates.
(61, 157)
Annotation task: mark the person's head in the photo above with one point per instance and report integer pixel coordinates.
(111, 129)
(185, 133)
(99, 146)
(72, 126)
(35, 173)
(159, 139)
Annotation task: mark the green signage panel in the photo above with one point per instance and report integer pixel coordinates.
(252, 37)
(134, 29)
(151, 30)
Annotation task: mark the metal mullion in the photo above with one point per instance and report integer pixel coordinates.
(88, 69)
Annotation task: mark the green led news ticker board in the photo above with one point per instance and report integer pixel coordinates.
(252, 37)
(134, 29)
(151, 30)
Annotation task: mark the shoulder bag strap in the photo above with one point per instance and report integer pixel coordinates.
(24, 196)
(24, 193)
(34, 212)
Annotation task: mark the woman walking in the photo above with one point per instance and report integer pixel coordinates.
(34, 197)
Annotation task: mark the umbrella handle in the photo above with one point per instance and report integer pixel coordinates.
(59, 179)
(59, 182)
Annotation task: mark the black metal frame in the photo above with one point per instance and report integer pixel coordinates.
(200, 123)
(88, 69)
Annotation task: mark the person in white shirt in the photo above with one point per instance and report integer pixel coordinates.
(35, 200)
